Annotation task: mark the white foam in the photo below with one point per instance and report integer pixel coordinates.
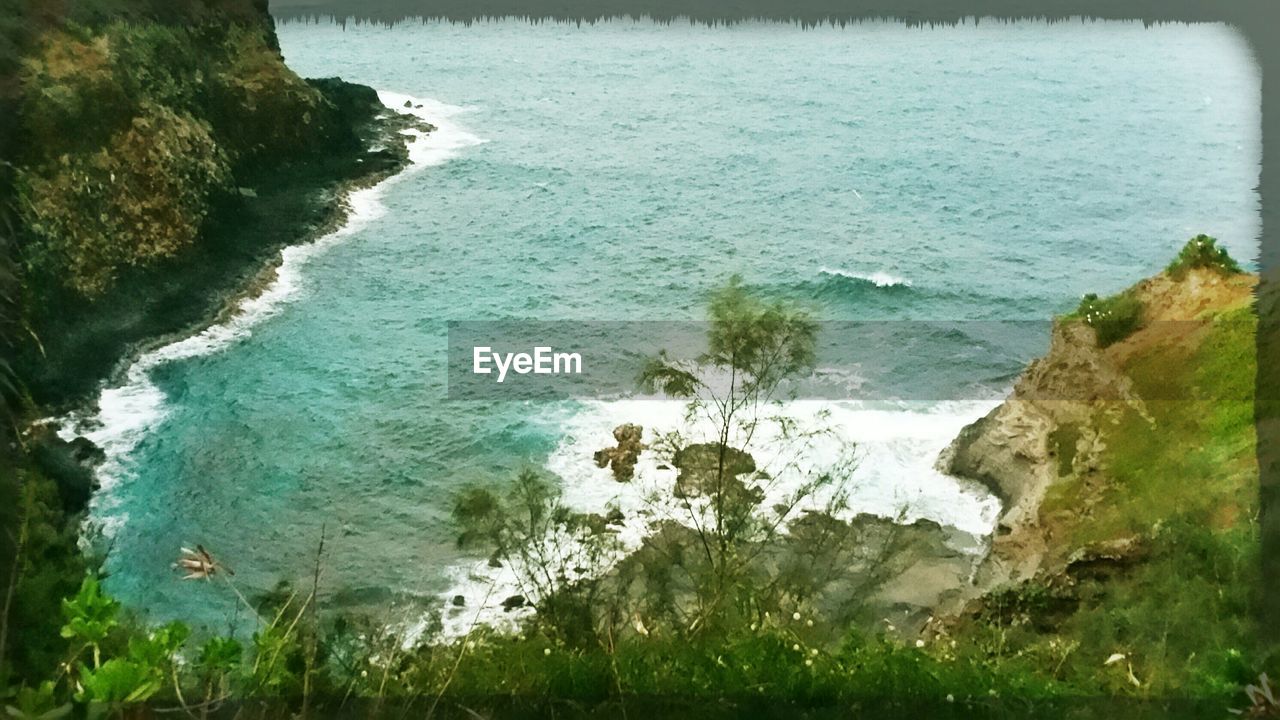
(878, 278)
(894, 446)
(127, 412)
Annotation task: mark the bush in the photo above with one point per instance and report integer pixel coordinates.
(131, 130)
(1202, 251)
(1112, 319)
(141, 198)
(258, 107)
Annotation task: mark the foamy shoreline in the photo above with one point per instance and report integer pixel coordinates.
(127, 410)
(896, 446)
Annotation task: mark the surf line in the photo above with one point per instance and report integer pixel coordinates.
(126, 412)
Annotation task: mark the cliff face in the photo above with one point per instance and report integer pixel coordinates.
(1067, 409)
(155, 155)
(163, 154)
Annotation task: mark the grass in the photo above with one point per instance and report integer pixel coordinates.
(1184, 479)
(1112, 318)
(1196, 453)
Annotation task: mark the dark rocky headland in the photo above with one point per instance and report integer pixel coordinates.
(156, 158)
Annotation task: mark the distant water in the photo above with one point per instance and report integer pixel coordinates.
(620, 172)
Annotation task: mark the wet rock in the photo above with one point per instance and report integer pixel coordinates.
(513, 602)
(1107, 554)
(615, 517)
(459, 601)
(622, 458)
(408, 103)
(86, 453)
(700, 469)
(68, 464)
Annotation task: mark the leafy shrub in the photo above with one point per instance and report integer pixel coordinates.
(141, 198)
(72, 98)
(1202, 251)
(1112, 319)
(259, 106)
(130, 130)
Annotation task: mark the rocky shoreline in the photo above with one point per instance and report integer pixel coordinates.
(1054, 427)
(85, 343)
(295, 205)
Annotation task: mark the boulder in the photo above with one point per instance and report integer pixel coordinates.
(622, 457)
(700, 465)
(69, 464)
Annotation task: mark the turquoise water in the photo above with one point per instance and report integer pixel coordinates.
(988, 173)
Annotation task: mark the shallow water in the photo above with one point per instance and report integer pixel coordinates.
(621, 171)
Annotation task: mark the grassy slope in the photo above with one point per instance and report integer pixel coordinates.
(1182, 484)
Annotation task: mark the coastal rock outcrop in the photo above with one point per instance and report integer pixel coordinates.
(69, 464)
(1045, 427)
(699, 465)
(1054, 424)
(622, 457)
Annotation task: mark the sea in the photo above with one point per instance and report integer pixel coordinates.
(956, 187)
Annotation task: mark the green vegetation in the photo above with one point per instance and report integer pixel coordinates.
(1202, 251)
(1113, 318)
(136, 121)
(42, 566)
(1117, 317)
(723, 565)
(133, 131)
(113, 665)
(722, 614)
(1180, 494)
(126, 130)
(140, 199)
(1063, 440)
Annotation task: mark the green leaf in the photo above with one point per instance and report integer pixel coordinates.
(120, 680)
(90, 615)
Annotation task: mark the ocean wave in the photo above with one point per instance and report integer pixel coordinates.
(895, 445)
(128, 411)
(878, 278)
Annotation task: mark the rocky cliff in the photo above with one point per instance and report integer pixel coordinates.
(1067, 407)
(162, 154)
(154, 157)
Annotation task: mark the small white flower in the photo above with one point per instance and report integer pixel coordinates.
(809, 623)
(813, 652)
(796, 647)
(364, 673)
(795, 616)
(951, 698)
(753, 627)
(808, 663)
(919, 643)
(546, 651)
